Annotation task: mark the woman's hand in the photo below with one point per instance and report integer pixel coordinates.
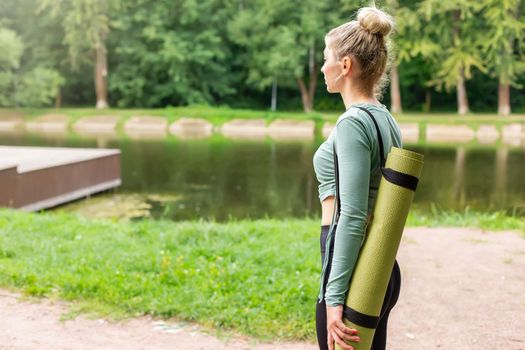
(337, 330)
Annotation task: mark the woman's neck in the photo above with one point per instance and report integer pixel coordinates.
(351, 96)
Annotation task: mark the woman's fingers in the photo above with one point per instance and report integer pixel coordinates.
(340, 341)
(337, 330)
(346, 329)
(345, 335)
(330, 341)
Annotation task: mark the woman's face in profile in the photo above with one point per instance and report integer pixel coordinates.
(331, 70)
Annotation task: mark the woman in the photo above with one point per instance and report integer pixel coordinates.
(355, 60)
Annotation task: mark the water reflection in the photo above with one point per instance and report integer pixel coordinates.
(459, 177)
(486, 179)
(220, 179)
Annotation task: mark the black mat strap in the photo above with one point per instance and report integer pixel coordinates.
(401, 179)
(382, 159)
(360, 319)
(336, 168)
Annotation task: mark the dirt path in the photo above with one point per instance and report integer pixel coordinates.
(461, 289)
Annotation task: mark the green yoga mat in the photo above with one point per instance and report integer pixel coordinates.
(376, 259)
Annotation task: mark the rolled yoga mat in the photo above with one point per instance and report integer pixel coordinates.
(374, 265)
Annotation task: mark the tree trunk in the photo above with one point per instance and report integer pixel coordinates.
(15, 89)
(314, 72)
(461, 90)
(308, 94)
(428, 101)
(463, 107)
(503, 99)
(305, 96)
(58, 99)
(101, 73)
(503, 84)
(274, 95)
(395, 93)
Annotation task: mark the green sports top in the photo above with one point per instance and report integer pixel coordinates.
(357, 149)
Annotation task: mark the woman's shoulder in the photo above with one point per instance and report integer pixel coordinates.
(358, 111)
(357, 123)
(356, 117)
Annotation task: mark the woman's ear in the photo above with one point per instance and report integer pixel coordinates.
(347, 64)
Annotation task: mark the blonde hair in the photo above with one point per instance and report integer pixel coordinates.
(365, 39)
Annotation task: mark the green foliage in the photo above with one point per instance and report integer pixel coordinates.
(10, 55)
(452, 39)
(12, 49)
(504, 41)
(39, 87)
(172, 53)
(283, 42)
(278, 37)
(6, 88)
(230, 52)
(86, 24)
(36, 87)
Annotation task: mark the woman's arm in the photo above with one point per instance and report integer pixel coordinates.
(353, 151)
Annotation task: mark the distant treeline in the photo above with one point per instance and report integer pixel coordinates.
(447, 55)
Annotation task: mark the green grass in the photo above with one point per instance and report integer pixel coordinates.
(215, 115)
(219, 115)
(495, 221)
(259, 277)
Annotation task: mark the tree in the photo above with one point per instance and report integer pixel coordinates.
(412, 51)
(173, 53)
(506, 32)
(454, 27)
(10, 55)
(284, 42)
(87, 26)
(401, 32)
(35, 87)
(42, 36)
(39, 87)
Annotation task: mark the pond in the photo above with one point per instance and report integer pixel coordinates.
(221, 179)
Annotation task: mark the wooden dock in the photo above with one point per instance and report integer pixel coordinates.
(34, 178)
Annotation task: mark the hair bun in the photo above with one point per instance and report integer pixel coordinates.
(375, 21)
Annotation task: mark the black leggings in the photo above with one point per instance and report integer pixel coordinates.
(392, 294)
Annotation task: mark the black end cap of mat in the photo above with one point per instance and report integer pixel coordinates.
(359, 318)
(400, 179)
